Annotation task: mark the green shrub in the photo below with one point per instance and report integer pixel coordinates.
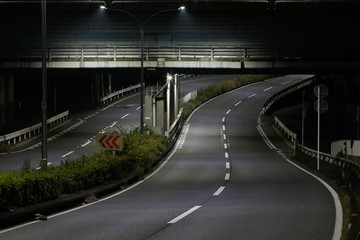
(32, 187)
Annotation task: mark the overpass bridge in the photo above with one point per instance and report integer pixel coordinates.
(90, 48)
(239, 36)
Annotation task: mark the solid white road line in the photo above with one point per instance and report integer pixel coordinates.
(181, 216)
(217, 193)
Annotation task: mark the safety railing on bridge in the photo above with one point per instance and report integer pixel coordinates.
(179, 53)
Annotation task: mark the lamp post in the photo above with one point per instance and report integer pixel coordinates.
(43, 161)
(142, 38)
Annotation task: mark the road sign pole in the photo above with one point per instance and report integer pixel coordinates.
(318, 131)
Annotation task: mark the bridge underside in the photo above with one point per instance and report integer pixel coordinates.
(239, 36)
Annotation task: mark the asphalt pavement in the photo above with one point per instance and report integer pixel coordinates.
(225, 179)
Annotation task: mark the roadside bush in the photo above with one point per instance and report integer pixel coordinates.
(31, 187)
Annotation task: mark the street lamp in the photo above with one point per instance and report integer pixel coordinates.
(141, 28)
(43, 161)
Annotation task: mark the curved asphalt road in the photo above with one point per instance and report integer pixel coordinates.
(78, 137)
(222, 182)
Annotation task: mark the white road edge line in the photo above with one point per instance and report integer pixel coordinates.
(338, 206)
(181, 216)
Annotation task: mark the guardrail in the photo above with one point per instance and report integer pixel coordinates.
(176, 127)
(118, 53)
(117, 94)
(339, 163)
(23, 134)
(286, 131)
(284, 93)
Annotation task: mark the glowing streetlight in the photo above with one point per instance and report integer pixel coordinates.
(142, 28)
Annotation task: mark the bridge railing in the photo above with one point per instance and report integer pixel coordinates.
(179, 53)
(26, 133)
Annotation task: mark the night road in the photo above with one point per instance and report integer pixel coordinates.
(221, 181)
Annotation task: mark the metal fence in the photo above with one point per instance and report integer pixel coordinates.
(118, 53)
(26, 133)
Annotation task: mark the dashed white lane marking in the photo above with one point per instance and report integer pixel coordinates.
(223, 127)
(227, 165)
(286, 82)
(225, 146)
(113, 124)
(181, 216)
(227, 177)
(224, 136)
(226, 155)
(138, 108)
(253, 95)
(217, 193)
(125, 115)
(228, 111)
(183, 135)
(223, 120)
(86, 143)
(236, 104)
(267, 89)
(67, 154)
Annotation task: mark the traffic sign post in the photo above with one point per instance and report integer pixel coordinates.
(111, 142)
(321, 106)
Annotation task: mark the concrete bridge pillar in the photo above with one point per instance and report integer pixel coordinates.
(6, 99)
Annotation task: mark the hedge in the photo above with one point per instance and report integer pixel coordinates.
(31, 187)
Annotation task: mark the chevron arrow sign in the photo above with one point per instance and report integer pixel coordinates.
(109, 142)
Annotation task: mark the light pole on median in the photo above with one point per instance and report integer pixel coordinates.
(43, 161)
(142, 39)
